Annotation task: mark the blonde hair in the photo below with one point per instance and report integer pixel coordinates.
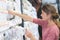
(49, 9)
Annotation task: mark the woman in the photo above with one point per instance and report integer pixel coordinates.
(48, 22)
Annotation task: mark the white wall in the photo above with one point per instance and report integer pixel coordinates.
(49, 1)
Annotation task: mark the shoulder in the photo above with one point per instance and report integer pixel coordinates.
(55, 30)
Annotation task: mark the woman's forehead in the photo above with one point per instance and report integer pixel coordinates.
(42, 11)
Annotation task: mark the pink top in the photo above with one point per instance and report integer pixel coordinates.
(48, 33)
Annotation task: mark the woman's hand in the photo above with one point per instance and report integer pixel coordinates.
(29, 35)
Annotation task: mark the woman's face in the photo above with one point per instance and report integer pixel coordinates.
(45, 16)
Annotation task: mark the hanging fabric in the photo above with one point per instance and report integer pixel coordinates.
(22, 19)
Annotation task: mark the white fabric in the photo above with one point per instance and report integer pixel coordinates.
(14, 33)
(27, 9)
